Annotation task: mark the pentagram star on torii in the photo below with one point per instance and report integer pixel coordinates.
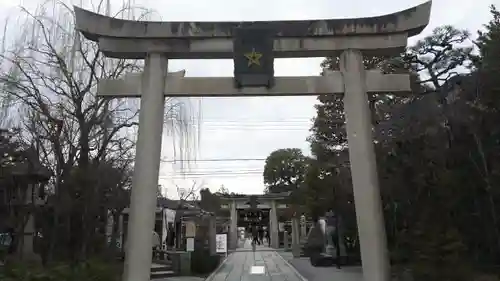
(253, 57)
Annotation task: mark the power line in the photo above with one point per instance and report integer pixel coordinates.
(215, 160)
(197, 176)
(293, 119)
(249, 122)
(277, 129)
(230, 124)
(214, 173)
(290, 124)
(217, 169)
(259, 126)
(254, 123)
(258, 120)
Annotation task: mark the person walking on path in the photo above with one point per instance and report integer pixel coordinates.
(261, 236)
(255, 235)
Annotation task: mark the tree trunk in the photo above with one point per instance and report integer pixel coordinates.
(115, 231)
(491, 201)
(49, 256)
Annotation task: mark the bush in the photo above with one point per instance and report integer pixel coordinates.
(92, 270)
(204, 263)
(315, 241)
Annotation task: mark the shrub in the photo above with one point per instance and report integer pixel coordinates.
(315, 241)
(204, 263)
(92, 270)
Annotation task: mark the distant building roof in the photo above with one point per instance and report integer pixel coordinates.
(280, 195)
(184, 208)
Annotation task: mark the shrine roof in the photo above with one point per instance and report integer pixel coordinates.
(243, 197)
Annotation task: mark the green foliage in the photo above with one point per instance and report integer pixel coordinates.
(316, 192)
(439, 253)
(328, 130)
(437, 154)
(92, 270)
(203, 263)
(489, 63)
(437, 56)
(10, 150)
(284, 170)
(209, 202)
(315, 240)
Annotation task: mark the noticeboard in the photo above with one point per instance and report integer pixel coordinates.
(221, 243)
(189, 244)
(190, 228)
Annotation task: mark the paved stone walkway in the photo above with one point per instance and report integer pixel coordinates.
(180, 278)
(265, 264)
(311, 273)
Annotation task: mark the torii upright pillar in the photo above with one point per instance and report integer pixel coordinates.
(349, 38)
(146, 170)
(371, 226)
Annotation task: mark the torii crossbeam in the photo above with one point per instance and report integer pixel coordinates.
(179, 86)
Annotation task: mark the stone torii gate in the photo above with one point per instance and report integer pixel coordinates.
(156, 42)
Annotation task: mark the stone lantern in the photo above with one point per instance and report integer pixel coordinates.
(27, 175)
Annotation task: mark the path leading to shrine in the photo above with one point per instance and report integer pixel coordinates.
(265, 264)
(331, 273)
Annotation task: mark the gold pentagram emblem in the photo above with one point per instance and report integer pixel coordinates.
(253, 57)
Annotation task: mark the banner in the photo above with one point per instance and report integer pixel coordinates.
(253, 57)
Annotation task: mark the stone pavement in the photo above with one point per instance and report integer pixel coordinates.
(265, 264)
(181, 278)
(311, 273)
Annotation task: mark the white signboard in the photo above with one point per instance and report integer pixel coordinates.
(281, 226)
(190, 245)
(221, 243)
(168, 217)
(190, 229)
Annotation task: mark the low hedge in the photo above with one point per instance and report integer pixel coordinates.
(202, 262)
(92, 270)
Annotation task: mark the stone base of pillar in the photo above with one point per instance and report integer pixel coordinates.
(275, 243)
(295, 238)
(303, 231)
(32, 258)
(233, 240)
(211, 236)
(285, 240)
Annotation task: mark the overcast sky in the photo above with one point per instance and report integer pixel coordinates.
(251, 128)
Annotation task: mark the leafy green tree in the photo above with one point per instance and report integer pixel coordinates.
(223, 190)
(437, 152)
(484, 102)
(48, 79)
(437, 56)
(209, 201)
(447, 164)
(19, 168)
(284, 170)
